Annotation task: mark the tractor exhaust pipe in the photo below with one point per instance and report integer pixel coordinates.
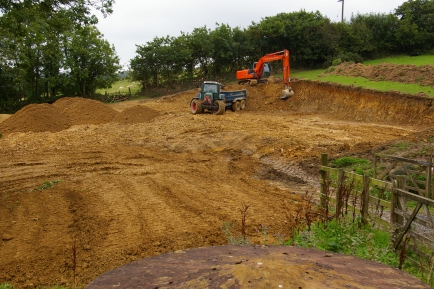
(287, 93)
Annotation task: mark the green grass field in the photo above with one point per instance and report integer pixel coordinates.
(122, 86)
(376, 85)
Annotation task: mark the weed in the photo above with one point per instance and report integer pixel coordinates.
(1, 137)
(11, 205)
(5, 286)
(420, 79)
(336, 62)
(263, 231)
(350, 238)
(243, 211)
(47, 185)
(233, 238)
(330, 70)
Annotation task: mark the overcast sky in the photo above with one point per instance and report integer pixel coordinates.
(139, 21)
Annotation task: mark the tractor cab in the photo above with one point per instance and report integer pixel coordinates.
(210, 92)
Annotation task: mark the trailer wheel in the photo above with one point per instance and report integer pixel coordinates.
(243, 104)
(196, 106)
(221, 107)
(236, 106)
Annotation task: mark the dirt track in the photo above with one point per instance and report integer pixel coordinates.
(140, 178)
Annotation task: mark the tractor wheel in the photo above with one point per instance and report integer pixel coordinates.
(236, 106)
(221, 107)
(243, 104)
(196, 106)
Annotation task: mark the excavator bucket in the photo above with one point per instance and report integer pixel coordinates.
(287, 93)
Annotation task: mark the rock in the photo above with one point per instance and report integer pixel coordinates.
(7, 237)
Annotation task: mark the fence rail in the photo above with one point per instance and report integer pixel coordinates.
(404, 207)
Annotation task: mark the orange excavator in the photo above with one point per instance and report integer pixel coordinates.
(255, 75)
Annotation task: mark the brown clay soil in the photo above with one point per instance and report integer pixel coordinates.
(252, 266)
(409, 73)
(115, 183)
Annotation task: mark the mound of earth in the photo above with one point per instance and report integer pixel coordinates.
(387, 72)
(136, 114)
(85, 111)
(36, 118)
(3, 117)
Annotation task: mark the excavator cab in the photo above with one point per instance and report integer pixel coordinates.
(261, 69)
(266, 71)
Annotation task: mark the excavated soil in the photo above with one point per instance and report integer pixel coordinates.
(388, 71)
(88, 187)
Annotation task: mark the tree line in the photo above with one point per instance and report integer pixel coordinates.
(312, 39)
(52, 48)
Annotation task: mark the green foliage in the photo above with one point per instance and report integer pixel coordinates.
(50, 51)
(6, 286)
(349, 161)
(348, 238)
(47, 185)
(233, 238)
(336, 62)
(122, 86)
(359, 166)
(331, 69)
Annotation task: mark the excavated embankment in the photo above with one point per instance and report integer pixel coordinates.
(358, 104)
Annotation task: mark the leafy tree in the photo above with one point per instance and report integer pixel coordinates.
(308, 35)
(90, 61)
(416, 24)
(202, 49)
(223, 48)
(51, 6)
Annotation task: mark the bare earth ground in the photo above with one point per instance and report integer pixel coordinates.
(141, 178)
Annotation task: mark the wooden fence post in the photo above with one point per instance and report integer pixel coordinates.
(375, 166)
(365, 196)
(339, 191)
(324, 162)
(393, 200)
(428, 186)
(401, 185)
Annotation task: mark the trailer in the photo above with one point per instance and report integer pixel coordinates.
(214, 99)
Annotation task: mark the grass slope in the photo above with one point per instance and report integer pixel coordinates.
(382, 85)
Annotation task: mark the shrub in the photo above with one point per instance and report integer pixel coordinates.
(349, 238)
(336, 62)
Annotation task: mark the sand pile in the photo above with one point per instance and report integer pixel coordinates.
(36, 118)
(69, 111)
(136, 114)
(85, 111)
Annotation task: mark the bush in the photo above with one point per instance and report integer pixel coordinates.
(349, 238)
(349, 161)
(350, 57)
(336, 62)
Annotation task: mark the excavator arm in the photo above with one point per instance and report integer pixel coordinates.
(254, 75)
